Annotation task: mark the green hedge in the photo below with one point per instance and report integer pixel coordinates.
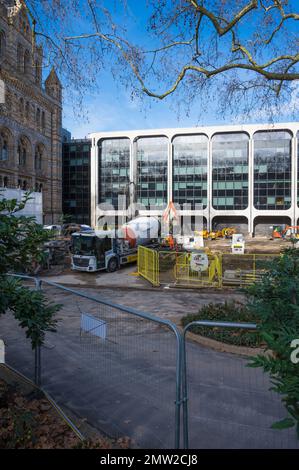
(228, 311)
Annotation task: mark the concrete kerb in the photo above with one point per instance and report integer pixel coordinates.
(218, 346)
(162, 288)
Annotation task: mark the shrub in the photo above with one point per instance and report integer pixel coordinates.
(228, 311)
(275, 300)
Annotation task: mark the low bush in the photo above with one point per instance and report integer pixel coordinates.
(228, 311)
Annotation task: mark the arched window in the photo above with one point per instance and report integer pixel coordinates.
(27, 62)
(38, 158)
(2, 44)
(24, 186)
(4, 151)
(20, 58)
(23, 150)
(5, 181)
(3, 147)
(41, 188)
(38, 118)
(43, 121)
(21, 107)
(27, 110)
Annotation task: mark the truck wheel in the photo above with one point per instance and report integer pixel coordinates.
(112, 265)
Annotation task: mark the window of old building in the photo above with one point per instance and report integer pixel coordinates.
(2, 44)
(27, 62)
(43, 121)
(27, 110)
(21, 107)
(38, 118)
(3, 147)
(38, 159)
(3, 150)
(22, 151)
(20, 58)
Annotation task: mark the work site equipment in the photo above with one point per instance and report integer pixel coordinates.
(226, 232)
(110, 249)
(200, 268)
(288, 231)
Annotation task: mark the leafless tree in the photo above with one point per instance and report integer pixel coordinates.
(243, 54)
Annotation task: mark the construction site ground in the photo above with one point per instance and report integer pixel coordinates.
(127, 277)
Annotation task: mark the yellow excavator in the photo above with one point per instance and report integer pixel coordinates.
(226, 232)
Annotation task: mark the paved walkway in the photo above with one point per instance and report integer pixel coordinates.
(125, 384)
(132, 291)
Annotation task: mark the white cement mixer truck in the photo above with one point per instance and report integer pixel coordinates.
(110, 249)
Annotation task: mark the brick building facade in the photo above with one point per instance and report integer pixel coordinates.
(30, 116)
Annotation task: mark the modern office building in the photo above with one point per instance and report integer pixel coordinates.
(76, 180)
(246, 175)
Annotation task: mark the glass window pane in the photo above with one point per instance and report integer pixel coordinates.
(190, 158)
(230, 171)
(114, 166)
(272, 170)
(152, 164)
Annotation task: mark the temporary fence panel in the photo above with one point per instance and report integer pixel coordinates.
(198, 269)
(228, 404)
(115, 367)
(15, 341)
(167, 266)
(243, 269)
(121, 369)
(148, 265)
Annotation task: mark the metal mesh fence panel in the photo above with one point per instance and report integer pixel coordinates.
(242, 270)
(230, 405)
(114, 369)
(148, 265)
(18, 350)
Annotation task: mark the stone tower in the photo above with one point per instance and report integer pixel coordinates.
(30, 118)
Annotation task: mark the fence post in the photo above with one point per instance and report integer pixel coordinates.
(37, 352)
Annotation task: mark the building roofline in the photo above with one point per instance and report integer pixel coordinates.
(198, 129)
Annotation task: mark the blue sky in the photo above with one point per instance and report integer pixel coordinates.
(111, 108)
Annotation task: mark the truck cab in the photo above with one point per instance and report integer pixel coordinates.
(93, 252)
(96, 251)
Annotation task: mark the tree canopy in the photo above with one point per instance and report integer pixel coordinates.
(245, 50)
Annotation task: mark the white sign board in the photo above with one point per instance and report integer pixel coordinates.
(199, 262)
(238, 244)
(2, 92)
(2, 352)
(93, 325)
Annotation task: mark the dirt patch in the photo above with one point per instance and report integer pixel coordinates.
(28, 420)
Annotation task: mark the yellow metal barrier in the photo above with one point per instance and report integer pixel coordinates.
(243, 270)
(198, 269)
(148, 265)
